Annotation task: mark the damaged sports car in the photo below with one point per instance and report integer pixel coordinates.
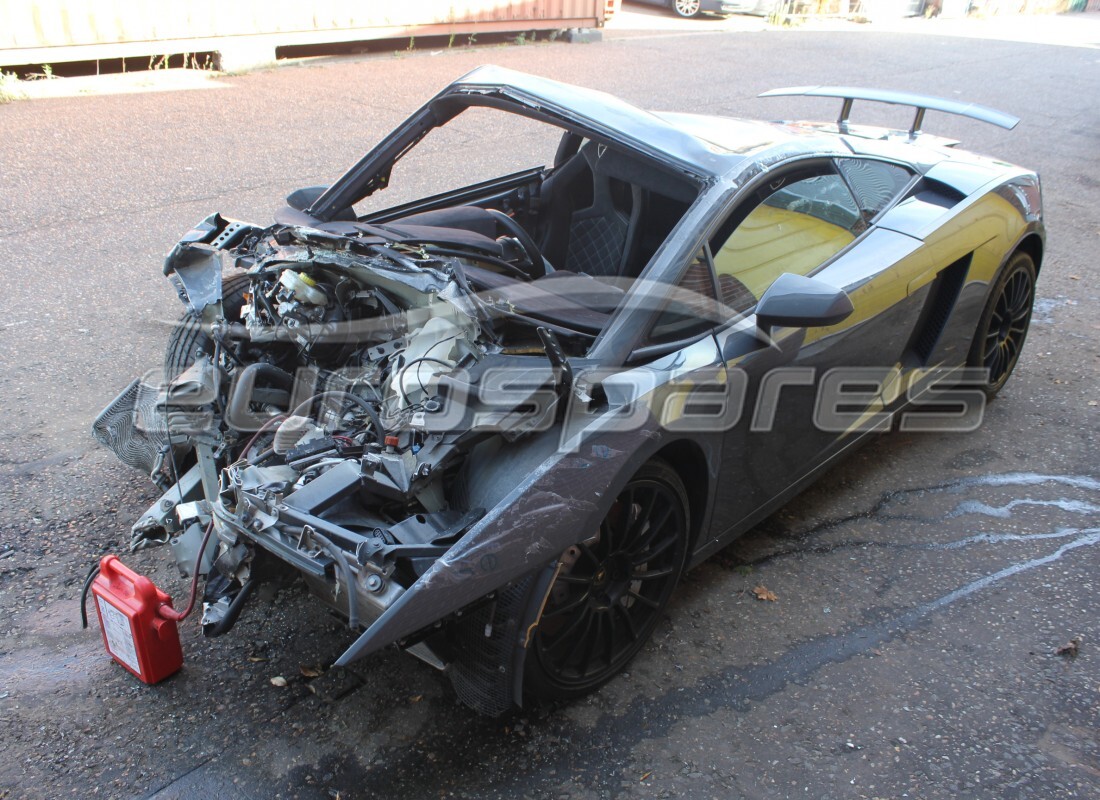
(494, 425)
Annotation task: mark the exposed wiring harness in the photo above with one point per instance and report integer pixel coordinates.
(376, 421)
(171, 613)
(413, 362)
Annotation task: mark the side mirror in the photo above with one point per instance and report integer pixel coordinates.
(796, 301)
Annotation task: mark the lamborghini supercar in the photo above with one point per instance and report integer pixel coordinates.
(494, 425)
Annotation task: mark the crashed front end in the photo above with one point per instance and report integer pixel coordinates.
(339, 413)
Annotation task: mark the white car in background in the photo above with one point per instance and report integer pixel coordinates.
(693, 8)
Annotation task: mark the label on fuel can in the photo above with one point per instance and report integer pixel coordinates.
(119, 634)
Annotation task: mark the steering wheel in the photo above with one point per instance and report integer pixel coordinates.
(530, 249)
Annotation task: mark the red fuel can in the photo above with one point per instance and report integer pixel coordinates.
(136, 631)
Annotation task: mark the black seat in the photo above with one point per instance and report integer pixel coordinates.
(592, 213)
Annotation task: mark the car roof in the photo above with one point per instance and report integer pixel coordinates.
(661, 136)
(707, 145)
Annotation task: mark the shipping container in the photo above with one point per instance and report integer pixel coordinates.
(248, 31)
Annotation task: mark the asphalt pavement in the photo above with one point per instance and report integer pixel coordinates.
(923, 588)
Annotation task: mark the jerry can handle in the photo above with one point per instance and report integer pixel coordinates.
(143, 588)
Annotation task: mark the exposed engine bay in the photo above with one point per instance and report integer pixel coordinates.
(323, 397)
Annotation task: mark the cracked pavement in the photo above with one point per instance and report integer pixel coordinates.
(924, 585)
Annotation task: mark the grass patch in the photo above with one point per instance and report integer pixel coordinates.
(10, 88)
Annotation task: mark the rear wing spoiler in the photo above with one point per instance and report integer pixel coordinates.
(920, 102)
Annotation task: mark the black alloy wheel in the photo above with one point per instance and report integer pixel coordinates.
(612, 588)
(1004, 323)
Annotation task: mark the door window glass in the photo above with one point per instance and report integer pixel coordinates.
(692, 306)
(796, 225)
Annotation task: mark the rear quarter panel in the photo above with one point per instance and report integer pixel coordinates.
(989, 225)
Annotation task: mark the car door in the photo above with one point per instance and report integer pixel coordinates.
(808, 392)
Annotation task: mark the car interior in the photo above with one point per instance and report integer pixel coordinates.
(584, 232)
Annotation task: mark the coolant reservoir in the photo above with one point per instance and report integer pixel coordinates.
(303, 288)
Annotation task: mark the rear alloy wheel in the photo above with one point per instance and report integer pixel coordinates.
(612, 589)
(1004, 323)
(686, 8)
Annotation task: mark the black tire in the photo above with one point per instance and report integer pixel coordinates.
(605, 604)
(187, 339)
(1004, 323)
(686, 8)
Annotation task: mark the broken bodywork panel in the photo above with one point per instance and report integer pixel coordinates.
(375, 444)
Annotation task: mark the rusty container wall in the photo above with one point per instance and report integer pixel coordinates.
(51, 31)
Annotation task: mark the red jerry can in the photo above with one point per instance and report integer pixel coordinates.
(138, 633)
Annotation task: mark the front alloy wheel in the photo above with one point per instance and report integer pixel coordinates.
(612, 588)
(686, 8)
